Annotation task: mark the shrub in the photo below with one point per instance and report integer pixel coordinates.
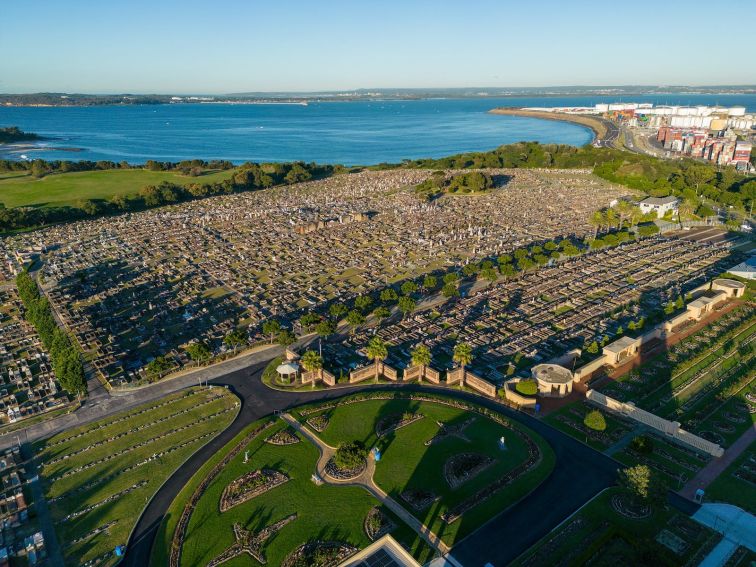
(527, 387)
(594, 419)
(642, 444)
(350, 456)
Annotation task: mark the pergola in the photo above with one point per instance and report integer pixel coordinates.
(288, 369)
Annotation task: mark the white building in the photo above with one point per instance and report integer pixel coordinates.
(745, 269)
(659, 205)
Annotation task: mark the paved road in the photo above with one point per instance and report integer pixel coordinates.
(580, 474)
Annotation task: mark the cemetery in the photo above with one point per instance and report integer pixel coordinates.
(138, 288)
(600, 535)
(98, 477)
(737, 483)
(28, 387)
(307, 517)
(462, 471)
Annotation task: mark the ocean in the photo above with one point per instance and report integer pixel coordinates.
(350, 133)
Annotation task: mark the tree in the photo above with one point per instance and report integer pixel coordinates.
(381, 312)
(389, 295)
(307, 321)
(286, 338)
(421, 356)
(377, 351)
(271, 327)
(350, 456)
(594, 420)
(363, 302)
(337, 311)
(355, 318)
(450, 290)
(637, 482)
(235, 339)
(198, 352)
(489, 273)
(406, 305)
(462, 355)
(409, 287)
(430, 282)
(325, 328)
(596, 220)
(312, 361)
(507, 270)
(696, 175)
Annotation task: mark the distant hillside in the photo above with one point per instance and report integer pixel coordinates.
(14, 134)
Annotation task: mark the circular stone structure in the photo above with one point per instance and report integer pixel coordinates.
(553, 380)
(732, 288)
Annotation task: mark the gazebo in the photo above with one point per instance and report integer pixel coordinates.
(288, 369)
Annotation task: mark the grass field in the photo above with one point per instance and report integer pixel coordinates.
(69, 188)
(101, 475)
(337, 513)
(407, 463)
(334, 513)
(599, 536)
(734, 489)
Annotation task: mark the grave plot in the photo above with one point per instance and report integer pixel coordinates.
(450, 469)
(98, 477)
(599, 535)
(737, 484)
(571, 420)
(284, 524)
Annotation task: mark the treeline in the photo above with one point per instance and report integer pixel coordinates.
(39, 167)
(248, 177)
(14, 134)
(687, 179)
(438, 183)
(64, 355)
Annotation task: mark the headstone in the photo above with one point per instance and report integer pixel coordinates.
(502, 443)
(246, 457)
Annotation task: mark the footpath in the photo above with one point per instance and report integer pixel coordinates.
(365, 480)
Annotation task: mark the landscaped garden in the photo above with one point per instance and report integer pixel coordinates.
(446, 465)
(735, 484)
(98, 477)
(259, 500)
(605, 534)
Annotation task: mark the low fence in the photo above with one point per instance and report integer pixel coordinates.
(390, 372)
(455, 376)
(431, 375)
(362, 374)
(315, 376)
(669, 428)
(412, 373)
(666, 226)
(479, 384)
(515, 397)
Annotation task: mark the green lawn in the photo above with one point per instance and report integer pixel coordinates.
(407, 463)
(185, 420)
(69, 188)
(599, 536)
(569, 419)
(326, 512)
(735, 489)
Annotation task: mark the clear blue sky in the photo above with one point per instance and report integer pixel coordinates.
(217, 46)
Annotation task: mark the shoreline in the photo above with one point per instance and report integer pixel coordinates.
(597, 125)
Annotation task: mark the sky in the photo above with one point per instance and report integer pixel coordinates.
(231, 46)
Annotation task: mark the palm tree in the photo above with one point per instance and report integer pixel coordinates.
(377, 351)
(596, 220)
(421, 356)
(312, 361)
(463, 356)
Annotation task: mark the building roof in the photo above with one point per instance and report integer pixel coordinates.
(621, 344)
(551, 374)
(747, 267)
(732, 284)
(657, 201)
(288, 368)
(384, 552)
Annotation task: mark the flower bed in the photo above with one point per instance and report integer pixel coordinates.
(377, 524)
(395, 421)
(418, 499)
(250, 485)
(319, 422)
(337, 473)
(458, 469)
(284, 437)
(319, 554)
(450, 431)
(179, 533)
(621, 505)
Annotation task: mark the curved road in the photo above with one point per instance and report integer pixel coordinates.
(580, 473)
